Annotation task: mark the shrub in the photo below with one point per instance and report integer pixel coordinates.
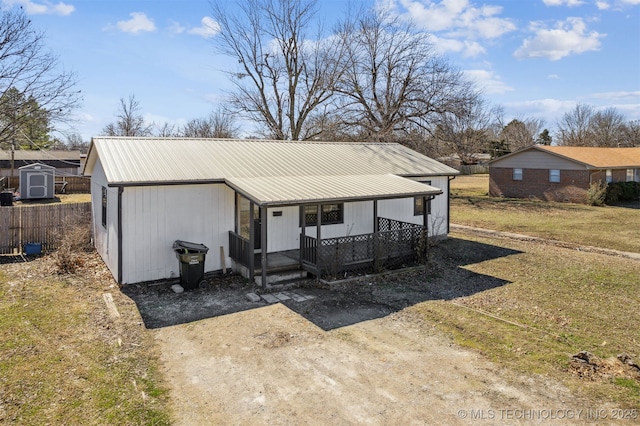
(623, 191)
(597, 193)
(75, 242)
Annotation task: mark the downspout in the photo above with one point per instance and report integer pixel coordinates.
(449, 203)
(120, 190)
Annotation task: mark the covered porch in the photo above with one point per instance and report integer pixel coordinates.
(390, 243)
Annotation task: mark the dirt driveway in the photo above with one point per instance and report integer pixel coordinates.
(272, 366)
(375, 363)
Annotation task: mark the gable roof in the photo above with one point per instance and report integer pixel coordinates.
(137, 161)
(590, 157)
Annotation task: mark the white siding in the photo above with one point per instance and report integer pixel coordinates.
(155, 216)
(358, 219)
(534, 159)
(105, 239)
(402, 209)
(283, 231)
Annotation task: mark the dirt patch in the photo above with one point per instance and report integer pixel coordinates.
(272, 366)
(588, 366)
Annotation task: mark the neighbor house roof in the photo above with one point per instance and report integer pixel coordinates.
(57, 159)
(39, 155)
(138, 161)
(590, 157)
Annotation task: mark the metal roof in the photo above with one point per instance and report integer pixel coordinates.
(590, 157)
(39, 155)
(291, 190)
(143, 161)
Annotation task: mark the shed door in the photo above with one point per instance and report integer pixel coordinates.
(36, 185)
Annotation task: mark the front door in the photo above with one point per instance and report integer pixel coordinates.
(244, 207)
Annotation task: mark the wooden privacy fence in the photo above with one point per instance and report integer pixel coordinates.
(45, 224)
(64, 184)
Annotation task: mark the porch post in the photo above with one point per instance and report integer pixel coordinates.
(263, 245)
(303, 231)
(425, 219)
(318, 237)
(375, 216)
(376, 228)
(252, 236)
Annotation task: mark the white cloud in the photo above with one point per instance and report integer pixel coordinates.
(176, 28)
(548, 109)
(567, 38)
(617, 96)
(632, 2)
(602, 5)
(467, 48)
(488, 81)
(465, 20)
(553, 77)
(570, 3)
(138, 22)
(207, 29)
(43, 8)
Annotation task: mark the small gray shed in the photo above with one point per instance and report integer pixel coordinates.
(37, 181)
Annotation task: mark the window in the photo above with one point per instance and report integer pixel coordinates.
(629, 175)
(418, 207)
(517, 174)
(554, 175)
(331, 214)
(609, 176)
(104, 207)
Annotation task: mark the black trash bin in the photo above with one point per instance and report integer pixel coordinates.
(191, 257)
(6, 198)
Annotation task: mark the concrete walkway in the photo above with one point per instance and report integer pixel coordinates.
(522, 237)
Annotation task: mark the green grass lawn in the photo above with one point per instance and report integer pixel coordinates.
(63, 360)
(555, 303)
(607, 227)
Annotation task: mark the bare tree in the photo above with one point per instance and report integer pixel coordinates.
(631, 133)
(284, 75)
(130, 120)
(519, 134)
(219, 124)
(166, 130)
(607, 128)
(573, 127)
(586, 127)
(26, 67)
(466, 132)
(393, 82)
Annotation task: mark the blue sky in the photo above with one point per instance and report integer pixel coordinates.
(536, 58)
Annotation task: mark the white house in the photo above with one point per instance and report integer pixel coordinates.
(148, 192)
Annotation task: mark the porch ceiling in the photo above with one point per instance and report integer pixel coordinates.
(294, 190)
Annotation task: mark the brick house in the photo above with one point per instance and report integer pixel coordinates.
(560, 173)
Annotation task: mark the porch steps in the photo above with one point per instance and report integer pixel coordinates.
(281, 277)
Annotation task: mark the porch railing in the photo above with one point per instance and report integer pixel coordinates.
(394, 244)
(239, 249)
